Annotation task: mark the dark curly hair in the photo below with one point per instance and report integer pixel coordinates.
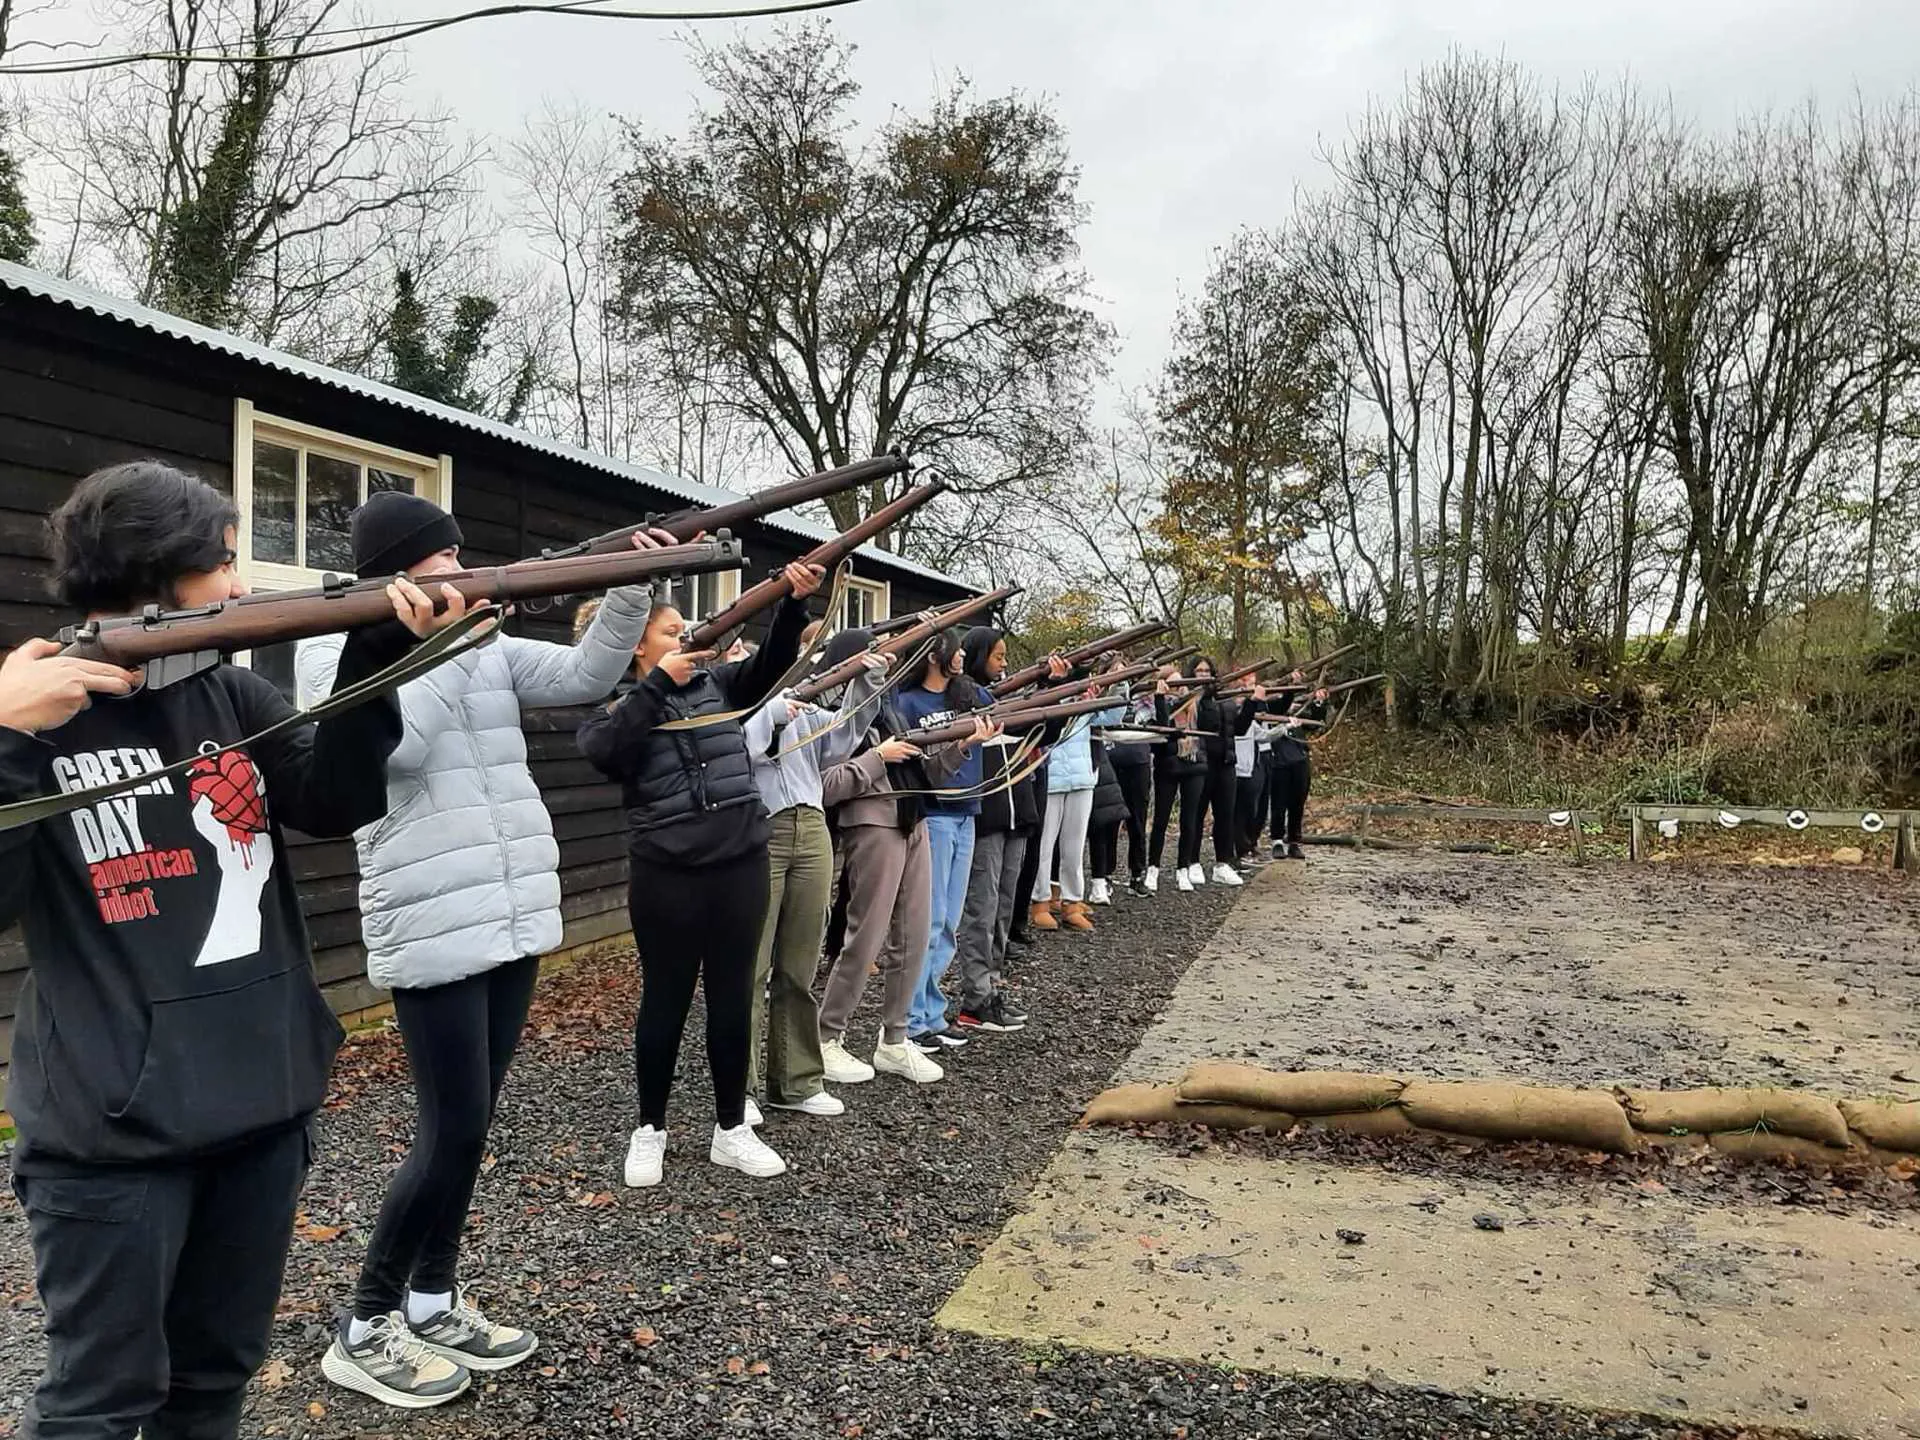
(130, 531)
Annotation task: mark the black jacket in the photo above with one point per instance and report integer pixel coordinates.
(689, 794)
(1109, 800)
(1290, 747)
(170, 1009)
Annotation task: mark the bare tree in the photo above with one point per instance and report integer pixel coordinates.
(920, 291)
(257, 195)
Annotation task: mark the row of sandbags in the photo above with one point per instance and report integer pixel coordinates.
(1619, 1121)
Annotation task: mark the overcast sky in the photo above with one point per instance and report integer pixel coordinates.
(1191, 117)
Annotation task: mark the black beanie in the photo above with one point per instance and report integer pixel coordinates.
(395, 530)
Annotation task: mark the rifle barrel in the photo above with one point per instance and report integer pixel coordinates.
(901, 642)
(255, 620)
(962, 727)
(686, 523)
(775, 588)
(1119, 640)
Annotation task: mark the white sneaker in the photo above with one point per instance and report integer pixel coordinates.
(1226, 875)
(818, 1104)
(843, 1067)
(754, 1117)
(908, 1062)
(646, 1152)
(1183, 881)
(1197, 873)
(1099, 893)
(1152, 881)
(740, 1149)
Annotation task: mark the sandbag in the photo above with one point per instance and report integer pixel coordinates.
(1157, 1105)
(1298, 1092)
(1765, 1145)
(1710, 1112)
(1387, 1120)
(1885, 1124)
(1591, 1119)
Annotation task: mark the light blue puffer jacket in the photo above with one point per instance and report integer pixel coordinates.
(1070, 762)
(463, 873)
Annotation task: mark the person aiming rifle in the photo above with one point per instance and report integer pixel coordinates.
(173, 1044)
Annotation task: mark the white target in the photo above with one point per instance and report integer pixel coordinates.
(1796, 820)
(1669, 829)
(1560, 819)
(1728, 820)
(1872, 822)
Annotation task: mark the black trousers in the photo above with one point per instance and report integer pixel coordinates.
(1188, 791)
(1250, 805)
(1029, 879)
(460, 1039)
(159, 1287)
(1136, 784)
(690, 923)
(1290, 786)
(1223, 788)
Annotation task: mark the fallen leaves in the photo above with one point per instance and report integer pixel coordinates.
(645, 1336)
(318, 1234)
(596, 1200)
(275, 1373)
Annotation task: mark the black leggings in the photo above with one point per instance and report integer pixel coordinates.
(688, 922)
(1189, 790)
(1250, 807)
(1223, 786)
(460, 1039)
(1290, 786)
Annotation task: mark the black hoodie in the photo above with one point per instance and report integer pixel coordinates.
(170, 1009)
(1015, 808)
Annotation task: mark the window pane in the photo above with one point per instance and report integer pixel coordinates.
(333, 492)
(276, 471)
(388, 480)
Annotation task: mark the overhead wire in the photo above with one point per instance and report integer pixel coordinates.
(401, 31)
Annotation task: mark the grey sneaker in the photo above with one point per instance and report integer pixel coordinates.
(393, 1365)
(466, 1337)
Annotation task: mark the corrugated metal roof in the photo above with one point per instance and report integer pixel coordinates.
(97, 302)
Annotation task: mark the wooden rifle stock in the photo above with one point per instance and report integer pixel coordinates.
(1067, 689)
(203, 634)
(1226, 679)
(960, 609)
(1119, 640)
(684, 524)
(961, 728)
(901, 642)
(775, 588)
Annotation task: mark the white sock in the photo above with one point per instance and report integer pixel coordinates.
(357, 1330)
(422, 1308)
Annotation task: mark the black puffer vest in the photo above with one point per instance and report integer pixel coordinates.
(681, 775)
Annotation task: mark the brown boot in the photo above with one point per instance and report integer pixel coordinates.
(1078, 915)
(1040, 917)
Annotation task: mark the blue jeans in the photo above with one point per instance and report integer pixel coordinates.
(950, 839)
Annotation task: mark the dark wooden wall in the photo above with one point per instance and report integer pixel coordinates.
(78, 392)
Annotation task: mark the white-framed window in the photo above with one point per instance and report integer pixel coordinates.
(699, 597)
(866, 602)
(296, 485)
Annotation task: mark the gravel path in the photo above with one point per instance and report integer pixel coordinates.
(718, 1306)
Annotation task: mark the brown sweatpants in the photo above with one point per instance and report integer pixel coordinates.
(889, 907)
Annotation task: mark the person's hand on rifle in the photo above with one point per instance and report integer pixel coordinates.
(1296, 677)
(654, 538)
(1259, 694)
(983, 731)
(414, 609)
(893, 750)
(805, 579)
(876, 662)
(1057, 667)
(679, 665)
(40, 688)
(1320, 695)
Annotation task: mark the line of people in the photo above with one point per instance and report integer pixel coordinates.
(171, 1054)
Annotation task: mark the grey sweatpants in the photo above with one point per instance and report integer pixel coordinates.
(988, 914)
(889, 879)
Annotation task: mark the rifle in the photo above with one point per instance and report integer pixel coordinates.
(883, 628)
(1119, 640)
(1069, 688)
(921, 630)
(1318, 663)
(1169, 655)
(775, 588)
(174, 644)
(684, 524)
(959, 729)
(1226, 679)
(1341, 688)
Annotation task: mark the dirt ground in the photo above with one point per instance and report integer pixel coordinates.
(1538, 969)
(1710, 1306)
